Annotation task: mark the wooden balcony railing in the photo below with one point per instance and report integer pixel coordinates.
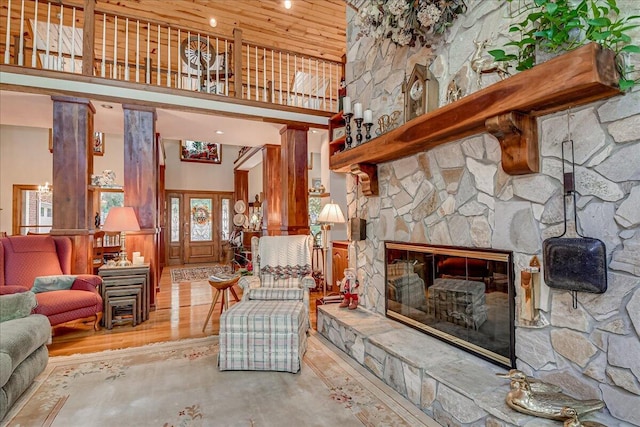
(49, 35)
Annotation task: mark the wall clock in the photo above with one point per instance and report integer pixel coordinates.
(420, 92)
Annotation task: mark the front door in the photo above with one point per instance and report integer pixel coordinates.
(199, 222)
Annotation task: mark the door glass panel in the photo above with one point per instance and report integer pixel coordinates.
(226, 221)
(175, 219)
(201, 224)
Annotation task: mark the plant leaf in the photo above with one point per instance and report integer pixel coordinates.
(632, 48)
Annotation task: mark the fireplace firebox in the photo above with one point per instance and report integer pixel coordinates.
(463, 296)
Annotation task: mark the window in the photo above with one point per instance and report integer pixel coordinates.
(33, 210)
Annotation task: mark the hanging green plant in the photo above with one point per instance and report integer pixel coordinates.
(551, 26)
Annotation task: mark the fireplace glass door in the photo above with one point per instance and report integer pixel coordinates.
(463, 296)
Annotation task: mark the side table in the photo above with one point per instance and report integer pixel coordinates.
(222, 286)
(133, 281)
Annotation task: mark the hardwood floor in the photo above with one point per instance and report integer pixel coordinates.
(180, 313)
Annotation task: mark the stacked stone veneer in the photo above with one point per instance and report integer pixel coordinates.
(458, 194)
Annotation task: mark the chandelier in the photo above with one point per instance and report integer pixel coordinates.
(44, 189)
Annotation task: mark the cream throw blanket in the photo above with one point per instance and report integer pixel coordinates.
(285, 256)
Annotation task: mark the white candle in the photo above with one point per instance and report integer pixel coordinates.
(346, 105)
(368, 116)
(357, 110)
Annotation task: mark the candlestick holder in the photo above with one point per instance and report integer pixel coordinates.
(359, 130)
(367, 126)
(347, 122)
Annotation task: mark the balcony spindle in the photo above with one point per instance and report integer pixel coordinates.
(159, 72)
(34, 51)
(280, 75)
(179, 63)
(73, 40)
(21, 51)
(104, 46)
(7, 43)
(59, 66)
(137, 51)
(126, 50)
(115, 50)
(226, 68)
(257, 94)
(147, 58)
(248, 73)
(168, 56)
(288, 101)
(273, 78)
(199, 58)
(46, 56)
(188, 62)
(264, 74)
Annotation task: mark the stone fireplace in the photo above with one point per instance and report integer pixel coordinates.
(458, 194)
(463, 296)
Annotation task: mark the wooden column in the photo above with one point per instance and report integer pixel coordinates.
(88, 30)
(271, 205)
(141, 177)
(241, 187)
(294, 177)
(72, 169)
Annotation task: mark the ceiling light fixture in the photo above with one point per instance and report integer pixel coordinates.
(213, 22)
(287, 4)
(219, 132)
(107, 106)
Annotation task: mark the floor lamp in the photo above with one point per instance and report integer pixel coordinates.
(121, 219)
(330, 214)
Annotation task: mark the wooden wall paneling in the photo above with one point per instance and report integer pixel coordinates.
(271, 204)
(294, 180)
(72, 169)
(241, 187)
(141, 173)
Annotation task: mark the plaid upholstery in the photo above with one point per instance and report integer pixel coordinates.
(276, 294)
(267, 330)
(263, 336)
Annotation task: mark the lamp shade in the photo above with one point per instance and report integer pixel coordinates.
(121, 219)
(331, 214)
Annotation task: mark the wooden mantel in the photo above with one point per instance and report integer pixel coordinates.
(507, 109)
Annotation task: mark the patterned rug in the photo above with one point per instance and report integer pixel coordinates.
(178, 384)
(192, 274)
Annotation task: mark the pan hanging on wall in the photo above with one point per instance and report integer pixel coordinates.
(575, 264)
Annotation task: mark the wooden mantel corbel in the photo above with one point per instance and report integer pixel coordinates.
(507, 109)
(518, 137)
(368, 175)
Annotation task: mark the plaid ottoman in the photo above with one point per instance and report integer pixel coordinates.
(263, 335)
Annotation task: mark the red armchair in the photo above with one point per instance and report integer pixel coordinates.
(23, 258)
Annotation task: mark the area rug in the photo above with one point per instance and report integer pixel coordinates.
(178, 384)
(190, 274)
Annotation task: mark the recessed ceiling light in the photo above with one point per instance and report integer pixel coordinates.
(287, 4)
(314, 131)
(107, 106)
(219, 132)
(213, 22)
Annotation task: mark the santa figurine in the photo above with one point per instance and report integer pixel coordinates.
(349, 288)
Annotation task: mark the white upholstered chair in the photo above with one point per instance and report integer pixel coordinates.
(267, 330)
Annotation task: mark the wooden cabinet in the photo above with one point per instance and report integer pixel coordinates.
(339, 261)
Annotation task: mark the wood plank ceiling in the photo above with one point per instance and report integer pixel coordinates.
(311, 27)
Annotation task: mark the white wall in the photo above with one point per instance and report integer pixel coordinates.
(24, 159)
(256, 186)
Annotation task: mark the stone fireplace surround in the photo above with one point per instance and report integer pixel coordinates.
(458, 194)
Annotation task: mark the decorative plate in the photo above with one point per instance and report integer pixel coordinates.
(240, 206)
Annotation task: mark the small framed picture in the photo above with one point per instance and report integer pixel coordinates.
(338, 132)
(310, 160)
(50, 140)
(98, 143)
(200, 151)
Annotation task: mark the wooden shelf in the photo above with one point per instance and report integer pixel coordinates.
(507, 109)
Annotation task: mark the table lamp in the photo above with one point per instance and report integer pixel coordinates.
(121, 219)
(330, 214)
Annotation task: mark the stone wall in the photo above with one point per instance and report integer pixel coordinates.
(458, 194)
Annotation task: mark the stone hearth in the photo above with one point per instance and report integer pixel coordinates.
(450, 385)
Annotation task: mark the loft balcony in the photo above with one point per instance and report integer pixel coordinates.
(52, 47)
